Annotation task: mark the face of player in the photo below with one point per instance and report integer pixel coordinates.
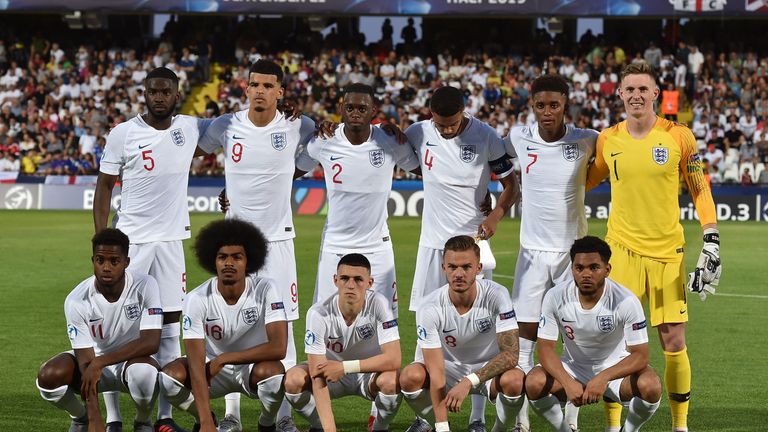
(589, 272)
(109, 263)
(549, 109)
(638, 91)
(448, 127)
(352, 282)
(357, 110)
(231, 262)
(161, 96)
(263, 92)
(461, 269)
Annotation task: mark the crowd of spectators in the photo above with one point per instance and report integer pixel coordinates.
(57, 103)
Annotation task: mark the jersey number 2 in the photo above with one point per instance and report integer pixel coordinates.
(336, 173)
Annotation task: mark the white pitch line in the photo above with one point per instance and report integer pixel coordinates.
(503, 276)
(505, 253)
(738, 295)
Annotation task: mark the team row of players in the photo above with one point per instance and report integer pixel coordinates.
(235, 334)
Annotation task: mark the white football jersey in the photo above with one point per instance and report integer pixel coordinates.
(358, 179)
(154, 169)
(468, 338)
(456, 174)
(93, 322)
(237, 327)
(553, 184)
(259, 163)
(593, 339)
(328, 334)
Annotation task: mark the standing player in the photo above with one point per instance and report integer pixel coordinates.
(468, 343)
(605, 343)
(353, 349)
(358, 161)
(644, 157)
(457, 153)
(151, 155)
(235, 330)
(260, 147)
(113, 322)
(553, 160)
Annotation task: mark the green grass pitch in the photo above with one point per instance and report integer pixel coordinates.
(43, 255)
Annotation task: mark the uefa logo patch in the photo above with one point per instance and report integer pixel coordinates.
(250, 315)
(605, 323)
(483, 324)
(279, 141)
(660, 155)
(132, 311)
(571, 152)
(467, 153)
(376, 157)
(177, 135)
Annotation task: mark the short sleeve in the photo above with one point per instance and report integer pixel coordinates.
(509, 147)
(548, 321)
(405, 157)
(113, 159)
(306, 158)
(203, 124)
(496, 148)
(505, 314)
(306, 130)
(427, 323)
(77, 326)
(194, 316)
(635, 324)
(415, 136)
(387, 328)
(316, 334)
(213, 137)
(152, 316)
(273, 303)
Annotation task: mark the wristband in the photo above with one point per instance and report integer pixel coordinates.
(474, 379)
(442, 427)
(351, 366)
(711, 235)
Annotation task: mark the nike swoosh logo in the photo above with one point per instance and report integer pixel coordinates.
(212, 319)
(144, 146)
(94, 320)
(566, 320)
(333, 337)
(531, 148)
(682, 311)
(293, 309)
(237, 137)
(616, 154)
(448, 331)
(334, 158)
(429, 144)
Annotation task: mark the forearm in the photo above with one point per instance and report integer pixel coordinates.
(508, 196)
(323, 403)
(503, 362)
(269, 351)
(199, 381)
(144, 346)
(633, 363)
(381, 362)
(92, 408)
(551, 363)
(437, 394)
(101, 204)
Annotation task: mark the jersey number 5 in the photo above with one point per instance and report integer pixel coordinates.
(149, 163)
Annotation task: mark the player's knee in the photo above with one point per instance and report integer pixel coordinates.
(535, 382)
(297, 380)
(649, 386)
(387, 382)
(265, 369)
(177, 370)
(413, 377)
(512, 382)
(56, 372)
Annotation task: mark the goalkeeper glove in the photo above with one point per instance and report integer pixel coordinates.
(706, 276)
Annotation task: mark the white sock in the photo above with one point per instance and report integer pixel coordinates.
(112, 404)
(232, 404)
(478, 408)
(178, 395)
(373, 409)
(387, 406)
(288, 362)
(271, 394)
(507, 408)
(640, 412)
(141, 379)
(169, 350)
(571, 415)
(304, 404)
(612, 429)
(549, 408)
(525, 361)
(64, 398)
(420, 403)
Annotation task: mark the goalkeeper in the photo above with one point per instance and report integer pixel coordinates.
(644, 156)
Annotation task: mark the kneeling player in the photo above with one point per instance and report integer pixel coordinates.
(113, 321)
(605, 343)
(235, 330)
(353, 348)
(468, 343)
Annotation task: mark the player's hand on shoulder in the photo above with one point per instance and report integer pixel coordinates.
(290, 110)
(332, 370)
(325, 129)
(392, 129)
(456, 395)
(223, 201)
(706, 276)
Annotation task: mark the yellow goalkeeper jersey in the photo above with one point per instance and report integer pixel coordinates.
(645, 181)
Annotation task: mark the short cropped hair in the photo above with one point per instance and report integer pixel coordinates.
(550, 82)
(590, 244)
(164, 73)
(447, 101)
(110, 237)
(231, 232)
(638, 68)
(359, 88)
(355, 260)
(267, 67)
(462, 243)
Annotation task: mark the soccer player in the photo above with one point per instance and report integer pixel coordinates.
(151, 155)
(113, 322)
(457, 154)
(605, 343)
(467, 343)
(644, 157)
(358, 161)
(553, 159)
(353, 349)
(235, 330)
(260, 147)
